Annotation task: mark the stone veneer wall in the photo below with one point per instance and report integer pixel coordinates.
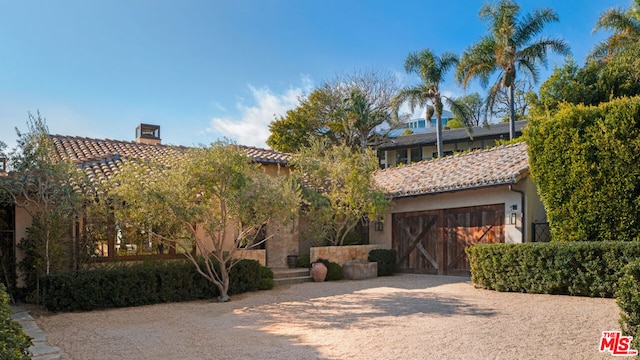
(254, 254)
(284, 242)
(342, 254)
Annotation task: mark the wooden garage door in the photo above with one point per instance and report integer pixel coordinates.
(433, 242)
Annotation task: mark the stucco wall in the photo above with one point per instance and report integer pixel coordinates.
(468, 198)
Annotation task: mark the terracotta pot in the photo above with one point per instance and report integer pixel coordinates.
(318, 272)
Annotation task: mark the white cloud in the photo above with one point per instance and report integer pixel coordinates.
(251, 126)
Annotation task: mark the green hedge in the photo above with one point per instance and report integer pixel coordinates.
(142, 284)
(585, 163)
(386, 259)
(574, 268)
(334, 271)
(14, 343)
(628, 295)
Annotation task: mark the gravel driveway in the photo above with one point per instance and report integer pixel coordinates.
(399, 317)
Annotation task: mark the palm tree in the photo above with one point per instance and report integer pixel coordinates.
(625, 26)
(361, 118)
(508, 46)
(431, 69)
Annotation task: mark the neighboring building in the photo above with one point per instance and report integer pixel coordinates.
(417, 147)
(443, 205)
(421, 125)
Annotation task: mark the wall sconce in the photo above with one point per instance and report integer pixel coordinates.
(514, 215)
(379, 226)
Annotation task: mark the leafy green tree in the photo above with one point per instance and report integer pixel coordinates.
(507, 48)
(475, 105)
(345, 110)
(308, 121)
(591, 84)
(431, 69)
(338, 189)
(206, 205)
(583, 161)
(625, 25)
(43, 186)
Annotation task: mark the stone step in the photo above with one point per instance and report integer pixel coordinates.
(281, 273)
(292, 280)
(287, 276)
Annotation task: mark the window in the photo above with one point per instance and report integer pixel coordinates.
(3, 164)
(416, 154)
(401, 156)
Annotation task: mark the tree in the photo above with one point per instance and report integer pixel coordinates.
(339, 189)
(431, 69)
(346, 109)
(625, 25)
(45, 187)
(591, 84)
(475, 105)
(509, 47)
(502, 105)
(308, 121)
(206, 205)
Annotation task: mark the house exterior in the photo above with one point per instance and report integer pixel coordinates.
(422, 146)
(100, 159)
(422, 125)
(441, 206)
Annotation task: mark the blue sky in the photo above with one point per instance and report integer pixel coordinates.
(205, 70)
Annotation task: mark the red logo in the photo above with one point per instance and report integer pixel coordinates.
(616, 344)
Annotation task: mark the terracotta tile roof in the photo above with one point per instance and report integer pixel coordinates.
(267, 156)
(497, 166)
(101, 158)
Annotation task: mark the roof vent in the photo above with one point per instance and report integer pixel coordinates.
(148, 134)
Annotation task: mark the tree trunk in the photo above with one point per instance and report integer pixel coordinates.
(512, 112)
(224, 284)
(438, 127)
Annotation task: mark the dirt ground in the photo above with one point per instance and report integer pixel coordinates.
(399, 317)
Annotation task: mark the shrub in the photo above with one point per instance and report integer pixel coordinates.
(628, 295)
(580, 159)
(304, 261)
(142, 284)
(334, 271)
(573, 268)
(14, 343)
(386, 259)
(266, 279)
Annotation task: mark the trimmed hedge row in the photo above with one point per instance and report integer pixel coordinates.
(386, 259)
(143, 284)
(14, 343)
(628, 295)
(573, 268)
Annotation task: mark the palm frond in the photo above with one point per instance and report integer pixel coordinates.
(477, 61)
(617, 21)
(416, 96)
(463, 112)
(529, 68)
(532, 24)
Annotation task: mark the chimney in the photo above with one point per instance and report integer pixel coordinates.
(148, 134)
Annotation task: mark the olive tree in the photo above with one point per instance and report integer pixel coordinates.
(339, 190)
(206, 204)
(44, 186)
